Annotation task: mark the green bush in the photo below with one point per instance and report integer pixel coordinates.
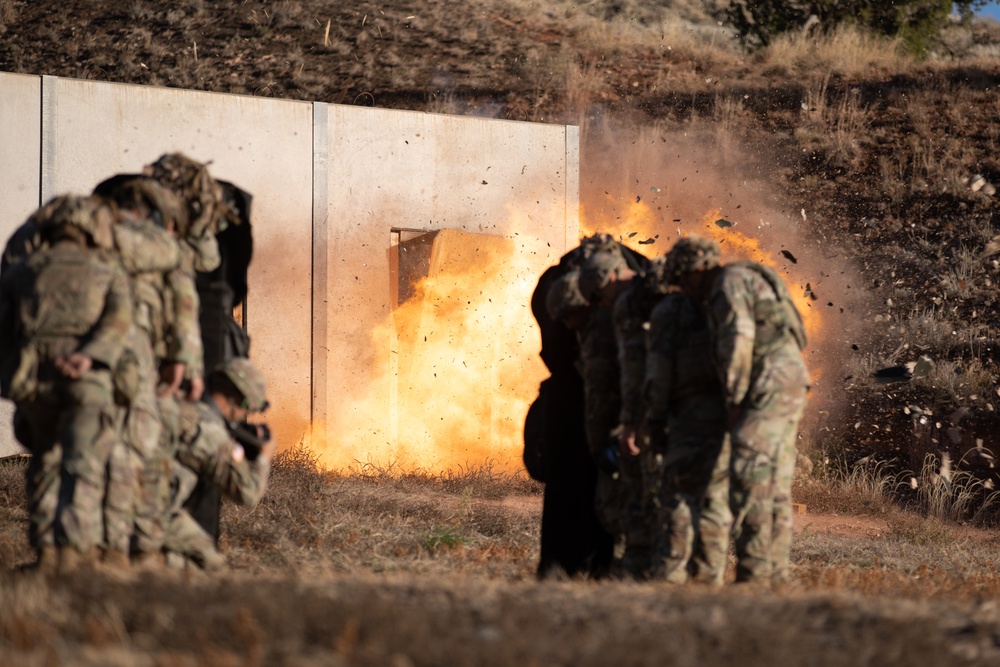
(917, 22)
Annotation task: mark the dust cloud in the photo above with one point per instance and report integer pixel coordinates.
(649, 187)
(444, 380)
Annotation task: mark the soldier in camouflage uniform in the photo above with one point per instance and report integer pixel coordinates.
(610, 284)
(686, 420)
(208, 213)
(176, 205)
(146, 216)
(758, 337)
(65, 311)
(208, 451)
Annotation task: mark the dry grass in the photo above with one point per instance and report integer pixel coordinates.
(834, 127)
(845, 52)
(385, 519)
(391, 568)
(863, 488)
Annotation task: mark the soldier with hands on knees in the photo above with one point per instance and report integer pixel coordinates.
(686, 423)
(757, 337)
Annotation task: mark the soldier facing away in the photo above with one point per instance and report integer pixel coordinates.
(147, 216)
(65, 311)
(757, 337)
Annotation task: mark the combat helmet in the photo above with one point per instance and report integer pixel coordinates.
(691, 253)
(88, 214)
(248, 379)
(596, 270)
(166, 208)
(564, 296)
(191, 181)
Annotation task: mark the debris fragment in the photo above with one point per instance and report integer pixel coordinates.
(957, 416)
(647, 242)
(789, 256)
(904, 372)
(723, 223)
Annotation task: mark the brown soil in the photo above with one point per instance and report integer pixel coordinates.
(845, 526)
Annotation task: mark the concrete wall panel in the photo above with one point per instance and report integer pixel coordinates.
(20, 137)
(390, 169)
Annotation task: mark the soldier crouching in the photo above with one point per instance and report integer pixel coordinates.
(212, 448)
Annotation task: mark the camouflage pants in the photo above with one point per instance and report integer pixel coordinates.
(119, 497)
(694, 507)
(37, 430)
(763, 459)
(137, 481)
(618, 502)
(640, 527)
(184, 535)
(82, 413)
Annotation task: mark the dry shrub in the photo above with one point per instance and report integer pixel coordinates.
(8, 12)
(951, 494)
(865, 487)
(835, 127)
(848, 51)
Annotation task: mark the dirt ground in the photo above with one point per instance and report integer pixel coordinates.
(421, 571)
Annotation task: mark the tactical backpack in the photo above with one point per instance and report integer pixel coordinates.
(778, 318)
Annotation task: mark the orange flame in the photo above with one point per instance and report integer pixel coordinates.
(642, 228)
(463, 367)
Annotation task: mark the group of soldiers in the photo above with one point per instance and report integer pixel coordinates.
(102, 354)
(667, 429)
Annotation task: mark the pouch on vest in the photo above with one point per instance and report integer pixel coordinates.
(126, 378)
(785, 316)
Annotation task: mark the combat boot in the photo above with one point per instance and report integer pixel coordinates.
(116, 560)
(72, 559)
(151, 560)
(48, 560)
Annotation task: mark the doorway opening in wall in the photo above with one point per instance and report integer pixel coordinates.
(446, 341)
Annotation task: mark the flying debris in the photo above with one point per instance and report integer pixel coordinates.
(904, 372)
(647, 242)
(809, 292)
(722, 222)
(789, 256)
